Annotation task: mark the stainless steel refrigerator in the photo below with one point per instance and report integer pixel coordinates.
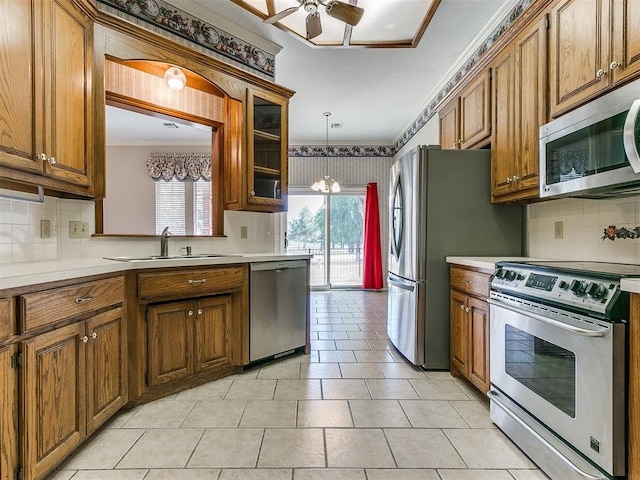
(439, 206)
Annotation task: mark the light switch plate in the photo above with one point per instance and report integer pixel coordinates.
(79, 229)
(558, 230)
(243, 232)
(45, 228)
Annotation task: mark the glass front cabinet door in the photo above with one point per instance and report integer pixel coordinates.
(267, 161)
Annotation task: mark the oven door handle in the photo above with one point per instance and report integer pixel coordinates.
(550, 321)
(628, 136)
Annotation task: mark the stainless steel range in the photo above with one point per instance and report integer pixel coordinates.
(558, 364)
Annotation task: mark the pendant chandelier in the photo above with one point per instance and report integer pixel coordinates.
(326, 184)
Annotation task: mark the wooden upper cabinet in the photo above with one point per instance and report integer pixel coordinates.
(519, 108)
(46, 95)
(579, 52)
(449, 119)
(475, 111)
(625, 58)
(465, 119)
(503, 160)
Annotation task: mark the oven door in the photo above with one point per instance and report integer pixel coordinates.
(567, 371)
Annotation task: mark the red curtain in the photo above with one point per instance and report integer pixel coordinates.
(372, 268)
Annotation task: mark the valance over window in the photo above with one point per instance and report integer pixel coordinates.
(181, 166)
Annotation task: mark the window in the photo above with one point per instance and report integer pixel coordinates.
(184, 207)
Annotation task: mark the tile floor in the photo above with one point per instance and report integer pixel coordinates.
(352, 410)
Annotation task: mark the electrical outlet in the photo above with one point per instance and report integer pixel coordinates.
(557, 230)
(79, 229)
(45, 228)
(243, 232)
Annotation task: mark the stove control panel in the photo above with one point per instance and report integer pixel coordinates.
(569, 289)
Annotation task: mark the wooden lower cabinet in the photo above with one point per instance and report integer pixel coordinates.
(8, 413)
(469, 328)
(72, 382)
(188, 337)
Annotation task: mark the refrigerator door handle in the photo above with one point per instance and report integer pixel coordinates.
(403, 286)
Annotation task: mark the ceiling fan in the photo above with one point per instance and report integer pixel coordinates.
(345, 12)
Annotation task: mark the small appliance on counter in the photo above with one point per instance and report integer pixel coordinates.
(439, 206)
(558, 364)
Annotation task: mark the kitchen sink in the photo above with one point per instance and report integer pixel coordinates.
(171, 257)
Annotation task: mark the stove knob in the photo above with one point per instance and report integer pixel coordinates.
(520, 277)
(595, 290)
(563, 285)
(500, 273)
(577, 287)
(510, 275)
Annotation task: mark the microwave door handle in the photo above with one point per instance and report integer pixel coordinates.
(628, 134)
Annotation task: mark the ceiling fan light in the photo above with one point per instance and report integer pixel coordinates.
(316, 186)
(350, 14)
(335, 187)
(175, 78)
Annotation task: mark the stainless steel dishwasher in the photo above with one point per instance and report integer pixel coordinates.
(278, 308)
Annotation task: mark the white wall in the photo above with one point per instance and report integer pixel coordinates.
(584, 222)
(429, 134)
(129, 205)
(20, 234)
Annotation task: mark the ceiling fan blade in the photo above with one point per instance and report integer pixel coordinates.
(279, 16)
(314, 25)
(343, 11)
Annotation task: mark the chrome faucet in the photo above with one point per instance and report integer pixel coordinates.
(164, 242)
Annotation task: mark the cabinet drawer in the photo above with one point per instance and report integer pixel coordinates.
(51, 306)
(7, 318)
(469, 281)
(187, 283)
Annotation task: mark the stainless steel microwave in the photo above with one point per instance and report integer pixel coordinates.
(592, 151)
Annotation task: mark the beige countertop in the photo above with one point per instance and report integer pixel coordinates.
(488, 263)
(630, 285)
(13, 275)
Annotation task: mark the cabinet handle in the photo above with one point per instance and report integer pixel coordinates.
(614, 65)
(253, 193)
(508, 179)
(466, 309)
(190, 313)
(454, 145)
(514, 178)
(42, 157)
(52, 160)
(192, 282)
(85, 339)
(199, 311)
(600, 73)
(466, 281)
(78, 301)
(94, 335)
(461, 307)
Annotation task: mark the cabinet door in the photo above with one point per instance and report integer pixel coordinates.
(459, 332)
(579, 52)
(68, 92)
(106, 366)
(449, 117)
(267, 150)
(530, 105)
(503, 138)
(478, 343)
(8, 414)
(170, 337)
(53, 385)
(213, 334)
(18, 82)
(475, 111)
(625, 58)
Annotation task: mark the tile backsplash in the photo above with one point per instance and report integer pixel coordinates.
(20, 239)
(583, 224)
